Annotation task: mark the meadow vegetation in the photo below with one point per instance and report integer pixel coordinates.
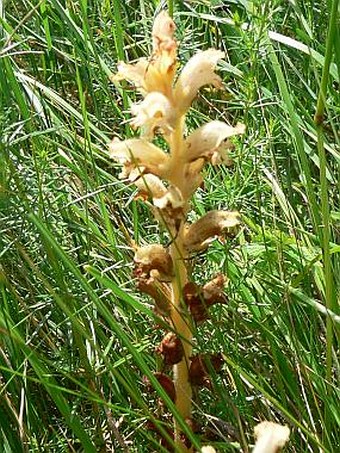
(77, 339)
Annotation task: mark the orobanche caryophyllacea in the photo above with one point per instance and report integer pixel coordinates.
(166, 180)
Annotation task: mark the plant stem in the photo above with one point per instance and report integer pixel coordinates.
(179, 316)
(181, 326)
(171, 7)
(326, 229)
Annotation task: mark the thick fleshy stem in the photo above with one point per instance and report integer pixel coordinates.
(181, 325)
(179, 316)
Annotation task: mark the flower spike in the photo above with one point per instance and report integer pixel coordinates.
(167, 180)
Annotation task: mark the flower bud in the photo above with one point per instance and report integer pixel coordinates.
(163, 33)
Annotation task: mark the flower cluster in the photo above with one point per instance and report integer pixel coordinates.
(167, 179)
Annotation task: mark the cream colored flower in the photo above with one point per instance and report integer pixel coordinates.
(211, 142)
(198, 72)
(208, 449)
(154, 112)
(172, 198)
(271, 437)
(150, 186)
(158, 72)
(199, 235)
(163, 33)
(134, 73)
(138, 156)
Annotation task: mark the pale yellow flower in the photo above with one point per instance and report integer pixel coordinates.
(138, 156)
(198, 72)
(210, 141)
(134, 73)
(155, 112)
(150, 186)
(270, 436)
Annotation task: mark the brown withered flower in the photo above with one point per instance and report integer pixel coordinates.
(159, 291)
(165, 381)
(213, 291)
(171, 349)
(194, 299)
(154, 260)
(202, 232)
(199, 299)
(200, 366)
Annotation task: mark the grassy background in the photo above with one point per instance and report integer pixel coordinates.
(76, 338)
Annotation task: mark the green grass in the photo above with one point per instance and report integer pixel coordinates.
(76, 338)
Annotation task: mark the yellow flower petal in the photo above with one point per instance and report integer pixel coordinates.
(198, 72)
(270, 436)
(138, 154)
(155, 112)
(210, 141)
(199, 235)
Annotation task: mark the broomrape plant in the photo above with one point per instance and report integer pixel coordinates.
(168, 179)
